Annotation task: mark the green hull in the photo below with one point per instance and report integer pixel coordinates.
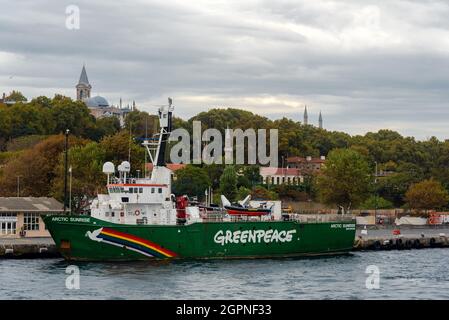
(87, 238)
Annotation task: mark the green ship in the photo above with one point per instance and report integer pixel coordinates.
(140, 219)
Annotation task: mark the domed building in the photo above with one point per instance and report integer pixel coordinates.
(99, 107)
(96, 102)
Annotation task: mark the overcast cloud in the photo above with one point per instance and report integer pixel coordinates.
(366, 65)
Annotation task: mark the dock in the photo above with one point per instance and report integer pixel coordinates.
(409, 238)
(28, 248)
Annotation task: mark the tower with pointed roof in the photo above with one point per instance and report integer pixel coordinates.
(83, 87)
(320, 121)
(306, 117)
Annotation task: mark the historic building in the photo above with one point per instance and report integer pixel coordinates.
(275, 176)
(307, 165)
(99, 107)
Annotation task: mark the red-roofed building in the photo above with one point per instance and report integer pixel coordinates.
(307, 164)
(272, 175)
(172, 166)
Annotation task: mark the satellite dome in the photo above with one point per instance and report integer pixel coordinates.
(126, 166)
(108, 168)
(96, 102)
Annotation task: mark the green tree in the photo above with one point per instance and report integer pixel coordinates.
(345, 179)
(141, 124)
(72, 115)
(252, 174)
(214, 171)
(261, 193)
(228, 183)
(87, 177)
(192, 181)
(375, 202)
(120, 147)
(242, 193)
(35, 167)
(427, 194)
(16, 96)
(107, 126)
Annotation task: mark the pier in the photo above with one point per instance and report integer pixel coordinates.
(28, 248)
(408, 238)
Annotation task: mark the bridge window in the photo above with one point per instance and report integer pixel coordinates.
(160, 190)
(140, 190)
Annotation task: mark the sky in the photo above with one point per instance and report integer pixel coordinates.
(366, 65)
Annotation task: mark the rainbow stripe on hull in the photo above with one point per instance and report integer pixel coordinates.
(133, 243)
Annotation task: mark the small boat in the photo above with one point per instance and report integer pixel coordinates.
(243, 209)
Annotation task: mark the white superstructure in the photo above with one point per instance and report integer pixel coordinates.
(140, 200)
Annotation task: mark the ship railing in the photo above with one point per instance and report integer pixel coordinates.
(212, 216)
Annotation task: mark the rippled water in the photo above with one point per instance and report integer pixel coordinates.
(414, 274)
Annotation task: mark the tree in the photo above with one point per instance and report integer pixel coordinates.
(261, 193)
(252, 174)
(242, 193)
(345, 179)
(16, 96)
(375, 202)
(192, 181)
(107, 126)
(72, 115)
(87, 177)
(427, 194)
(141, 124)
(35, 167)
(120, 147)
(214, 171)
(228, 183)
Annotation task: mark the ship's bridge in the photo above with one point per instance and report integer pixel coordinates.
(141, 191)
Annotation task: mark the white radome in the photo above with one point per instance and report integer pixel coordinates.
(108, 168)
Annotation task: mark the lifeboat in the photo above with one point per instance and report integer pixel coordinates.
(247, 211)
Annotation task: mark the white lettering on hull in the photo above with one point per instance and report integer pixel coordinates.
(253, 236)
(71, 219)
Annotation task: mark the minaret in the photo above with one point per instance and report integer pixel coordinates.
(228, 149)
(320, 121)
(83, 87)
(306, 117)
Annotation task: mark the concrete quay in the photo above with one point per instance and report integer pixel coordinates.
(416, 237)
(28, 248)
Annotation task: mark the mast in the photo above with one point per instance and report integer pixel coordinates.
(66, 151)
(159, 147)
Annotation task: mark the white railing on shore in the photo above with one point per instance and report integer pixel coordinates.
(314, 218)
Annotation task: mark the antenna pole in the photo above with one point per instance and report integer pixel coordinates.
(146, 139)
(65, 167)
(129, 145)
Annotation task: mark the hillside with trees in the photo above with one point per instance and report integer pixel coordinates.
(31, 145)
